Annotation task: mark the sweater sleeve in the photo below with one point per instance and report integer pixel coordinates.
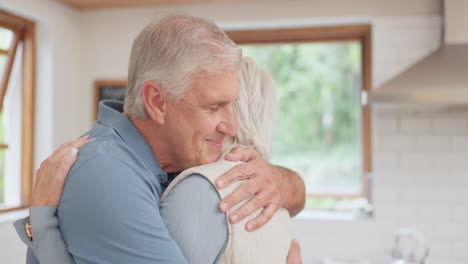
(191, 214)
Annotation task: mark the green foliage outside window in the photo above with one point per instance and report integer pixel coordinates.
(319, 114)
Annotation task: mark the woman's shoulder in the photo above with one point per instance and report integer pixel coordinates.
(203, 176)
(211, 171)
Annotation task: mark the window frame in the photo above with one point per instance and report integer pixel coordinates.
(23, 32)
(361, 33)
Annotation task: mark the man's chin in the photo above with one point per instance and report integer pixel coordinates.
(213, 157)
(205, 157)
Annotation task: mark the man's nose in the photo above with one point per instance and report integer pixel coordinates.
(229, 125)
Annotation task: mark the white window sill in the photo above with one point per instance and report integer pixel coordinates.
(12, 216)
(310, 214)
(307, 214)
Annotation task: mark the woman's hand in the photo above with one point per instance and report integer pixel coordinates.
(51, 176)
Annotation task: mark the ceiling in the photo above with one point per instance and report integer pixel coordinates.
(94, 4)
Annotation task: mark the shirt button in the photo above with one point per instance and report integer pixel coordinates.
(162, 177)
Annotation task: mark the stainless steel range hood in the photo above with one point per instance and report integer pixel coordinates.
(441, 79)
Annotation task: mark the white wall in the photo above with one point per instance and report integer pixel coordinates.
(12, 250)
(96, 44)
(58, 40)
(57, 90)
(421, 177)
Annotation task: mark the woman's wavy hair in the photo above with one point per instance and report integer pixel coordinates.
(255, 110)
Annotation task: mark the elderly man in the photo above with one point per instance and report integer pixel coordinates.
(182, 83)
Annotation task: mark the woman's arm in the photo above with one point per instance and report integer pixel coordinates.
(47, 243)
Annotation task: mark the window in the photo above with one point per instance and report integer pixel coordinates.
(16, 111)
(322, 129)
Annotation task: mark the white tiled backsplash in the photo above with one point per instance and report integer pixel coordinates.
(420, 180)
(421, 177)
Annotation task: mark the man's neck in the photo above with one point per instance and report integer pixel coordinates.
(155, 139)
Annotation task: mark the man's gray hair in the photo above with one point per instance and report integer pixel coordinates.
(170, 51)
(255, 110)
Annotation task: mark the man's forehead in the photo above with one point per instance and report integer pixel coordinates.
(220, 87)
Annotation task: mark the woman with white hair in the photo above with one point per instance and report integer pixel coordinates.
(255, 114)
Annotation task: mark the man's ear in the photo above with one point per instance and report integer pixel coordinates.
(154, 99)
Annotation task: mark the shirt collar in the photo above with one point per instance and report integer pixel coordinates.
(111, 115)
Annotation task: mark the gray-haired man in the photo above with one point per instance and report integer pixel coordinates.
(182, 84)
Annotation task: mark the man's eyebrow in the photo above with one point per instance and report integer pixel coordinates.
(217, 102)
(214, 101)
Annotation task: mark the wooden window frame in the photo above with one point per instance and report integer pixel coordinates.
(24, 32)
(361, 33)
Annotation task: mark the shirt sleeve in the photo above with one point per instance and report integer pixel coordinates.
(110, 214)
(191, 214)
(19, 226)
(47, 245)
(30, 257)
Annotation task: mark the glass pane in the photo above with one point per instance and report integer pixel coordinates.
(2, 170)
(2, 157)
(3, 60)
(318, 113)
(6, 36)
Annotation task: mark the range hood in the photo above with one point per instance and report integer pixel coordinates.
(441, 79)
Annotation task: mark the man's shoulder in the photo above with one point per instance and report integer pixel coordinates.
(107, 199)
(108, 149)
(111, 163)
(103, 175)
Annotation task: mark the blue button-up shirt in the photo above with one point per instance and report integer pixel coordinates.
(110, 208)
(109, 211)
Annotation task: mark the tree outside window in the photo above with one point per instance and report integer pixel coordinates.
(322, 130)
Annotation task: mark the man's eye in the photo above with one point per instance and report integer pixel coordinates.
(214, 108)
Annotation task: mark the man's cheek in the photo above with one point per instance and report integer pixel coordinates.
(196, 146)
